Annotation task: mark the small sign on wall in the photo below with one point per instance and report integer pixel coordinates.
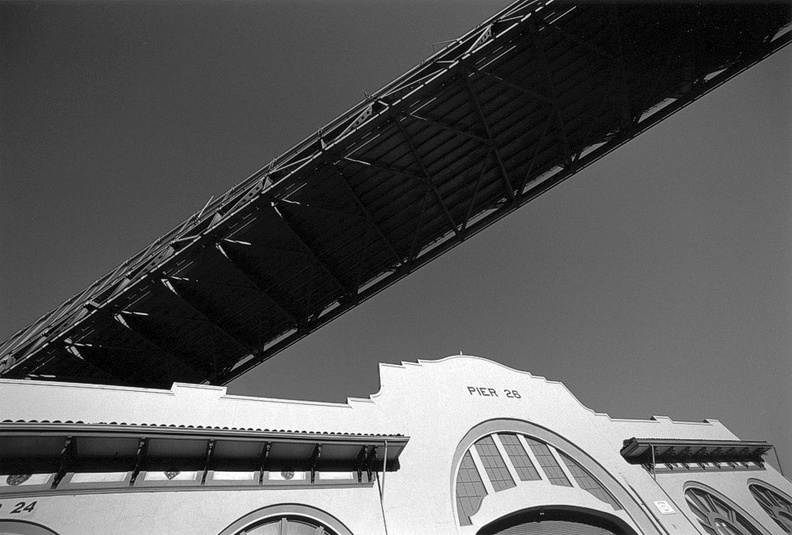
(664, 507)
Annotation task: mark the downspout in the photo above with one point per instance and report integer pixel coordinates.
(381, 488)
(385, 463)
(654, 472)
(780, 468)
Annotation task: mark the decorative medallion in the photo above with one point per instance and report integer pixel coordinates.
(287, 474)
(17, 479)
(170, 474)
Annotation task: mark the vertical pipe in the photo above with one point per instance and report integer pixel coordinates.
(780, 468)
(381, 488)
(654, 472)
(384, 468)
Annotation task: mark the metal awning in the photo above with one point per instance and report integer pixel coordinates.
(60, 448)
(651, 451)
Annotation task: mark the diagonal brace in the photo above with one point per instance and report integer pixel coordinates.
(224, 251)
(367, 214)
(313, 254)
(504, 174)
(534, 32)
(428, 180)
(440, 123)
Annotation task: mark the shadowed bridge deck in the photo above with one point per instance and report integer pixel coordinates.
(496, 118)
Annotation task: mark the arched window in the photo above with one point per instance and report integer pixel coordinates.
(493, 464)
(716, 516)
(287, 519)
(507, 459)
(287, 526)
(19, 527)
(588, 483)
(777, 506)
(470, 489)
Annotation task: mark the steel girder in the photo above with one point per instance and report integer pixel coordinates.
(496, 118)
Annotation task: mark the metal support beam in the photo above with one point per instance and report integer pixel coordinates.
(204, 317)
(475, 192)
(263, 458)
(252, 279)
(370, 458)
(386, 168)
(505, 82)
(576, 39)
(586, 140)
(120, 318)
(535, 156)
(360, 461)
(174, 367)
(313, 254)
(669, 64)
(72, 349)
(440, 123)
(317, 453)
(126, 318)
(492, 216)
(140, 460)
(384, 469)
(400, 172)
(504, 174)
(67, 455)
(313, 207)
(299, 251)
(624, 87)
(429, 180)
(209, 451)
(548, 75)
(417, 233)
(367, 214)
(654, 472)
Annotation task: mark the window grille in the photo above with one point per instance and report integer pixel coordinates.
(775, 505)
(716, 516)
(548, 463)
(519, 458)
(470, 490)
(287, 526)
(493, 464)
(587, 482)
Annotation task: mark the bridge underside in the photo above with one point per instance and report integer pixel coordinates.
(498, 117)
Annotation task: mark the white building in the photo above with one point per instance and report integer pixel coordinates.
(472, 447)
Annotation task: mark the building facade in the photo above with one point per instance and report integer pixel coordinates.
(461, 445)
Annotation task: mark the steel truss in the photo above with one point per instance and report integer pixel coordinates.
(487, 124)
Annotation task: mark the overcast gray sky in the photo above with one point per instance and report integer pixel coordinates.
(658, 281)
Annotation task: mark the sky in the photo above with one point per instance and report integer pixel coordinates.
(656, 282)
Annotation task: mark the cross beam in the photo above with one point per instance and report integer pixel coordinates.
(504, 174)
(253, 280)
(205, 316)
(317, 260)
(429, 180)
(367, 214)
(548, 76)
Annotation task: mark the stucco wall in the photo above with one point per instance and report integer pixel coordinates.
(443, 406)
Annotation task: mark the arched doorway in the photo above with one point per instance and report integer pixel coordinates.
(288, 526)
(556, 522)
(287, 519)
(513, 465)
(16, 527)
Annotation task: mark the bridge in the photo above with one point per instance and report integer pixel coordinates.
(496, 118)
